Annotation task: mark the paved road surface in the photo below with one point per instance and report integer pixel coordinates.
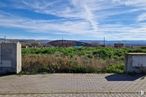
(72, 85)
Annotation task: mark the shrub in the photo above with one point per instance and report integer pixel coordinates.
(115, 68)
(76, 60)
(64, 64)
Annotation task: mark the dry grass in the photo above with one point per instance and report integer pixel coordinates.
(64, 64)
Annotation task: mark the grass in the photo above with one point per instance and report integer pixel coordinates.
(75, 60)
(33, 64)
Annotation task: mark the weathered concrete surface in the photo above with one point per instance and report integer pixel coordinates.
(10, 58)
(135, 62)
(72, 85)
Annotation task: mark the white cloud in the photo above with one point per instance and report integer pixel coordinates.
(142, 17)
(66, 27)
(84, 7)
(80, 17)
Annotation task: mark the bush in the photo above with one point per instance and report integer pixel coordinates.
(64, 64)
(75, 60)
(116, 68)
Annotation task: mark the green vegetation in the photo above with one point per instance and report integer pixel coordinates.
(75, 60)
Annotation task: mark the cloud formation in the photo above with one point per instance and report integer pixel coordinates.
(95, 18)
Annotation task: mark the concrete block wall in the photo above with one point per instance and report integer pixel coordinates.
(135, 62)
(10, 58)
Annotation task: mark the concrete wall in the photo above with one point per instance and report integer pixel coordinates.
(135, 62)
(10, 58)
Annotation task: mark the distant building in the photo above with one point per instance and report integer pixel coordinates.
(118, 45)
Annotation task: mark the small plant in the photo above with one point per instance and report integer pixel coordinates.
(115, 68)
(75, 60)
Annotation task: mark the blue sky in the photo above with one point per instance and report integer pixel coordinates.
(73, 19)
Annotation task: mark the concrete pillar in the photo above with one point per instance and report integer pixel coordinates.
(10, 58)
(135, 62)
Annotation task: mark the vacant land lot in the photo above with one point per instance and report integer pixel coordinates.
(75, 60)
(72, 85)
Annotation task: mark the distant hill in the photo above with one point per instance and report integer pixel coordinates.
(77, 42)
(67, 43)
(112, 42)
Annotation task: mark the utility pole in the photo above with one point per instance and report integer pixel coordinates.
(1, 50)
(104, 42)
(62, 40)
(5, 38)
